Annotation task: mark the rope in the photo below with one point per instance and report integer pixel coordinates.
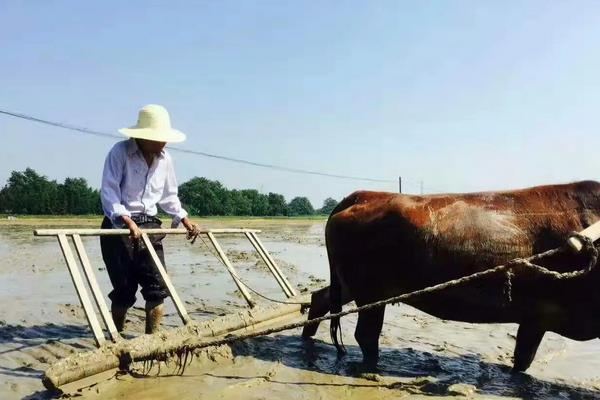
(588, 246)
(526, 263)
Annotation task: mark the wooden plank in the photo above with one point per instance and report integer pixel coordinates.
(88, 308)
(231, 270)
(96, 292)
(115, 232)
(163, 273)
(274, 264)
(273, 271)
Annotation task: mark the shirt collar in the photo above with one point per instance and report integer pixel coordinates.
(133, 148)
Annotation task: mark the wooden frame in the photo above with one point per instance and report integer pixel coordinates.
(82, 291)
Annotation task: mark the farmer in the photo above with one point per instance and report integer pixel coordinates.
(139, 175)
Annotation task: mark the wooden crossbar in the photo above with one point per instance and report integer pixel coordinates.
(117, 232)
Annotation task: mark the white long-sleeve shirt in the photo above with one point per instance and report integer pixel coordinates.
(129, 186)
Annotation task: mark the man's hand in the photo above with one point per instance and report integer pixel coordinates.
(134, 231)
(192, 228)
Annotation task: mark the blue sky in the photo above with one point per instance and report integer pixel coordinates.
(463, 95)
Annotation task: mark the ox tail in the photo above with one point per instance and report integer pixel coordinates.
(336, 299)
(335, 306)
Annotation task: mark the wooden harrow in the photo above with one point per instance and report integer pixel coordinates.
(114, 351)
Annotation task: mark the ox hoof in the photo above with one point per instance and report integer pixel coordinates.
(341, 353)
(359, 369)
(519, 368)
(370, 364)
(309, 331)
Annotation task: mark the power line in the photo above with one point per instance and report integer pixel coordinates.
(195, 152)
(279, 167)
(59, 124)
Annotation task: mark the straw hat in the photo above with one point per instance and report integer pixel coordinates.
(154, 123)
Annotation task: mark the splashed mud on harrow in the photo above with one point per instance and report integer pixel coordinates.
(169, 345)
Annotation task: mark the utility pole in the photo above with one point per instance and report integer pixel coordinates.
(399, 184)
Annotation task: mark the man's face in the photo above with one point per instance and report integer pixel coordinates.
(150, 146)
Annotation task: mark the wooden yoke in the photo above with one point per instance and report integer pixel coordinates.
(592, 232)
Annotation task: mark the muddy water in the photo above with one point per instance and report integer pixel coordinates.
(421, 356)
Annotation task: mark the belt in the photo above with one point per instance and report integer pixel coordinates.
(143, 218)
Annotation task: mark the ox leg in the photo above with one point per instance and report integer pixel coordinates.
(368, 329)
(319, 306)
(528, 340)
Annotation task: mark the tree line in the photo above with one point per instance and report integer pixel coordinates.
(28, 192)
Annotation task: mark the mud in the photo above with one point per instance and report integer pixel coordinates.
(421, 356)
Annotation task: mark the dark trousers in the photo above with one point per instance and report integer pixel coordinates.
(129, 264)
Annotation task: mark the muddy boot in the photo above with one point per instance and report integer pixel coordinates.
(154, 315)
(118, 315)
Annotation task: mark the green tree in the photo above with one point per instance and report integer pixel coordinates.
(300, 206)
(240, 204)
(28, 192)
(259, 203)
(328, 206)
(76, 197)
(277, 205)
(202, 196)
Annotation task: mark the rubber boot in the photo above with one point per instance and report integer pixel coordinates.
(118, 315)
(154, 315)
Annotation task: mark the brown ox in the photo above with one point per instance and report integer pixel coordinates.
(383, 244)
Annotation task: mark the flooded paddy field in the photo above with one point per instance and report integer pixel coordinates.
(41, 321)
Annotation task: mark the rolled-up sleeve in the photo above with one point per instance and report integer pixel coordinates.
(110, 192)
(170, 202)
